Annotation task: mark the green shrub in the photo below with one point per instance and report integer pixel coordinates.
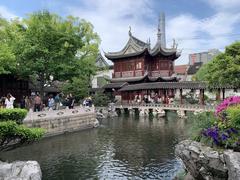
(201, 121)
(101, 99)
(233, 116)
(15, 114)
(13, 134)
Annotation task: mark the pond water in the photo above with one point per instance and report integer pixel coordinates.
(125, 147)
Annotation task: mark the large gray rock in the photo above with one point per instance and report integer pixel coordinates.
(233, 164)
(20, 170)
(202, 162)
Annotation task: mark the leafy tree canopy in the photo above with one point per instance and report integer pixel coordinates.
(224, 69)
(47, 47)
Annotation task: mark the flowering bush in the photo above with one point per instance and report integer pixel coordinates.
(224, 129)
(233, 100)
(223, 137)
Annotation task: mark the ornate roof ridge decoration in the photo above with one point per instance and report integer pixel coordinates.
(133, 47)
(117, 85)
(136, 46)
(102, 59)
(159, 48)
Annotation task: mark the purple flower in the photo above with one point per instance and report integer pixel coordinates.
(224, 137)
(212, 132)
(234, 130)
(228, 131)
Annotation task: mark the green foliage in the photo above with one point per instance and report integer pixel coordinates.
(224, 69)
(202, 73)
(190, 98)
(201, 121)
(8, 61)
(15, 114)
(45, 46)
(233, 116)
(218, 131)
(78, 86)
(101, 99)
(13, 135)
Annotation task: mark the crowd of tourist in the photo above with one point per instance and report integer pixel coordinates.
(36, 103)
(153, 99)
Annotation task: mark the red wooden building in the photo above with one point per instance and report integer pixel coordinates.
(138, 64)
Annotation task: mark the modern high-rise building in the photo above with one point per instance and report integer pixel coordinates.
(203, 57)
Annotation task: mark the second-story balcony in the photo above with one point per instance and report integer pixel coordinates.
(125, 74)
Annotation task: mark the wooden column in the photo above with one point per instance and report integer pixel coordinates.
(218, 95)
(203, 100)
(201, 97)
(223, 94)
(181, 99)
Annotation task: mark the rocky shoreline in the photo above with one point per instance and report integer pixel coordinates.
(203, 162)
(20, 170)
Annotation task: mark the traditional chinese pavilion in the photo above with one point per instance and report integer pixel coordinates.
(137, 66)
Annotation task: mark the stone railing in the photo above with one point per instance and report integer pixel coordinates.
(189, 107)
(61, 121)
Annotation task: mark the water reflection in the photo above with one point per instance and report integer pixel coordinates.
(125, 147)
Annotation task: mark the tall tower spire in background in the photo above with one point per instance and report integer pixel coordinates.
(161, 30)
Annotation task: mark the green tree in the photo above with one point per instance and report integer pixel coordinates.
(52, 48)
(224, 69)
(85, 67)
(78, 86)
(8, 61)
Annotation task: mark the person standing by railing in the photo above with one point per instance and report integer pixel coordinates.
(37, 102)
(9, 101)
(51, 103)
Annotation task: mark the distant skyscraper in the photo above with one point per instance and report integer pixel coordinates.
(203, 57)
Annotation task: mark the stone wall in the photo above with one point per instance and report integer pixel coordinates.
(61, 121)
(20, 170)
(203, 162)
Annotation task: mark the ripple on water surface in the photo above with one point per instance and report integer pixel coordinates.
(121, 148)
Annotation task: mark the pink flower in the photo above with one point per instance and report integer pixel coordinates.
(233, 100)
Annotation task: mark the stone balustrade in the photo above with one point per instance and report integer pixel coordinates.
(62, 121)
(183, 107)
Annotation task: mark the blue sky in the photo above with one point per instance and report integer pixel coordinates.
(197, 25)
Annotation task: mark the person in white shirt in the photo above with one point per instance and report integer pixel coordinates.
(9, 101)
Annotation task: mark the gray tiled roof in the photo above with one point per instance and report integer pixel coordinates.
(165, 85)
(194, 68)
(115, 85)
(136, 47)
(172, 85)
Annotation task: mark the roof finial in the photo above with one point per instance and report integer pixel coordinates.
(159, 30)
(174, 44)
(129, 32)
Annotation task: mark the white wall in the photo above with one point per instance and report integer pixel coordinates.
(104, 73)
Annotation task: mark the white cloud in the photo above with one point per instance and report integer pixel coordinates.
(222, 23)
(6, 13)
(112, 19)
(196, 35)
(224, 5)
